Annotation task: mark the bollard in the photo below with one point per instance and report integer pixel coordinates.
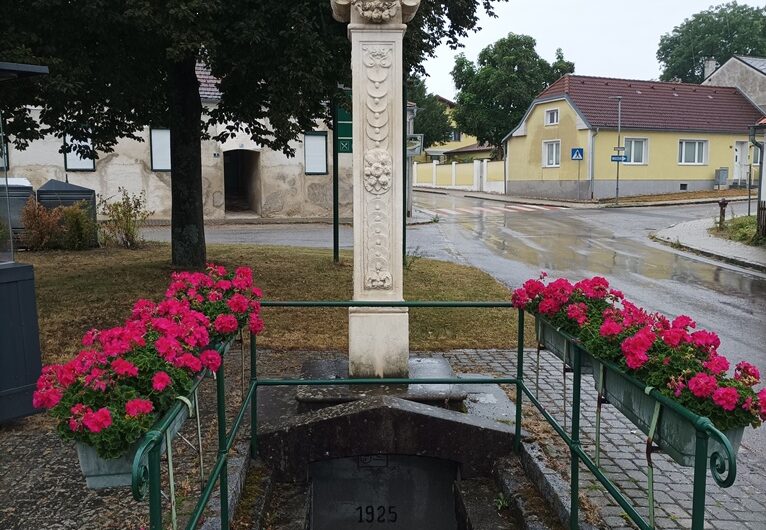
(722, 204)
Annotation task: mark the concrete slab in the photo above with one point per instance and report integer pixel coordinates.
(451, 395)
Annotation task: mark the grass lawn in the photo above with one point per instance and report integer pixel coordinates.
(741, 229)
(77, 291)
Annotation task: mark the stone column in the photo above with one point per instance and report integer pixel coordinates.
(378, 337)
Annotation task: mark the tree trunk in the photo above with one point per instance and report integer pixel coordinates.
(187, 224)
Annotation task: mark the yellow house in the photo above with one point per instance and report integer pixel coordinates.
(672, 137)
(458, 140)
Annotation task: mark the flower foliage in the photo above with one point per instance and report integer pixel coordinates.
(125, 378)
(673, 356)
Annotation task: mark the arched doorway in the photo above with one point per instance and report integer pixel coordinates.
(242, 183)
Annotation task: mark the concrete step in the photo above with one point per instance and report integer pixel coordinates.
(288, 508)
(481, 506)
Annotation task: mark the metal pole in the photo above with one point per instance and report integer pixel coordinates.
(574, 472)
(700, 476)
(619, 144)
(155, 493)
(519, 380)
(223, 479)
(335, 198)
(4, 158)
(254, 402)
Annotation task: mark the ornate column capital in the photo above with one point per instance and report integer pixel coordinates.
(375, 11)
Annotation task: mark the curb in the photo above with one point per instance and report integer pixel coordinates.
(694, 250)
(237, 473)
(682, 202)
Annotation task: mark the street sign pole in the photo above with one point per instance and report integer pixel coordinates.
(578, 179)
(335, 198)
(619, 145)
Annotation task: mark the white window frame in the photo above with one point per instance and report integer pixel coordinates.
(756, 156)
(159, 149)
(315, 165)
(682, 152)
(546, 143)
(644, 152)
(74, 162)
(549, 112)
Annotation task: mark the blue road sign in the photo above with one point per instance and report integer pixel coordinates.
(619, 158)
(577, 153)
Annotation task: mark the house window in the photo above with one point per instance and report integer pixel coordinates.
(756, 155)
(315, 152)
(552, 117)
(73, 161)
(552, 153)
(635, 150)
(455, 135)
(692, 151)
(160, 148)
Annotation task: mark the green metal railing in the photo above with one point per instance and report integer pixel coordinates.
(147, 463)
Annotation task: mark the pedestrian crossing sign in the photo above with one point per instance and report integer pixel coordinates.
(577, 153)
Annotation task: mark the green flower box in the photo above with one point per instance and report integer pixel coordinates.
(674, 434)
(562, 345)
(116, 472)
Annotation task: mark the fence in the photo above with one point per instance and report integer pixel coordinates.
(147, 471)
(479, 175)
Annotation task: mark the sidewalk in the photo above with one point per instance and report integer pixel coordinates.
(584, 204)
(694, 236)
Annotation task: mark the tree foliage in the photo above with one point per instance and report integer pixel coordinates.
(495, 92)
(118, 66)
(719, 32)
(431, 119)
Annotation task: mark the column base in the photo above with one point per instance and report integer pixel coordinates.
(378, 342)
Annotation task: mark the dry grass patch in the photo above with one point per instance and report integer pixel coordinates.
(96, 288)
(683, 195)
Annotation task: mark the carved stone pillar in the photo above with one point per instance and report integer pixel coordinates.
(378, 337)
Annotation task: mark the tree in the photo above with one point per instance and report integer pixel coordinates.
(495, 92)
(719, 32)
(121, 65)
(431, 119)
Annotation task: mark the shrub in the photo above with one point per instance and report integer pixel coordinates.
(125, 218)
(42, 227)
(79, 228)
(5, 237)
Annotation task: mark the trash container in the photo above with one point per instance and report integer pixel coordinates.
(56, 193)
(19, 190)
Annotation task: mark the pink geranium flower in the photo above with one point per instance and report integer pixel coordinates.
(97, 421)
(635, 348)
(726, 398)
(226, 324)
(210, 359)
(716, 364)
(138, 407)
(160, 381)
(124, 368)
(703, 385)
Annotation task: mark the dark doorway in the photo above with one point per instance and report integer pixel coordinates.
(241, 182)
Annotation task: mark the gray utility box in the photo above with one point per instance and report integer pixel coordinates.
(19, 191)
(721, 176)
(20, 364)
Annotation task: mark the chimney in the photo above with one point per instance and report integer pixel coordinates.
(710, 66)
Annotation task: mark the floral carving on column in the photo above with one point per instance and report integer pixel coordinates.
(377, 176)
(377, 11)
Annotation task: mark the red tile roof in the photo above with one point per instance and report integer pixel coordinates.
(207, 83)
(657, 106)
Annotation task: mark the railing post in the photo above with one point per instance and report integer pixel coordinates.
(574, 510)
(223, 479)
(519, 380)
(700, 477)
(254, 402)
(155, 491)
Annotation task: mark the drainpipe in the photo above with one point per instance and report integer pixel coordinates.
(592, 159)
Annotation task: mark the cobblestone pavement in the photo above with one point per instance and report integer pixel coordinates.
(623, 448)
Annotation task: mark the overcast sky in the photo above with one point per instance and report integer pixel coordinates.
(610, 38)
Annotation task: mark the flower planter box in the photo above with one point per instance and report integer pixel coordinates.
(116, 472)
(675, 435)
(562, 345)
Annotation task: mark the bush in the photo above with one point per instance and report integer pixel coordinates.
(79, 228)
(125, 218)
(42, 227)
